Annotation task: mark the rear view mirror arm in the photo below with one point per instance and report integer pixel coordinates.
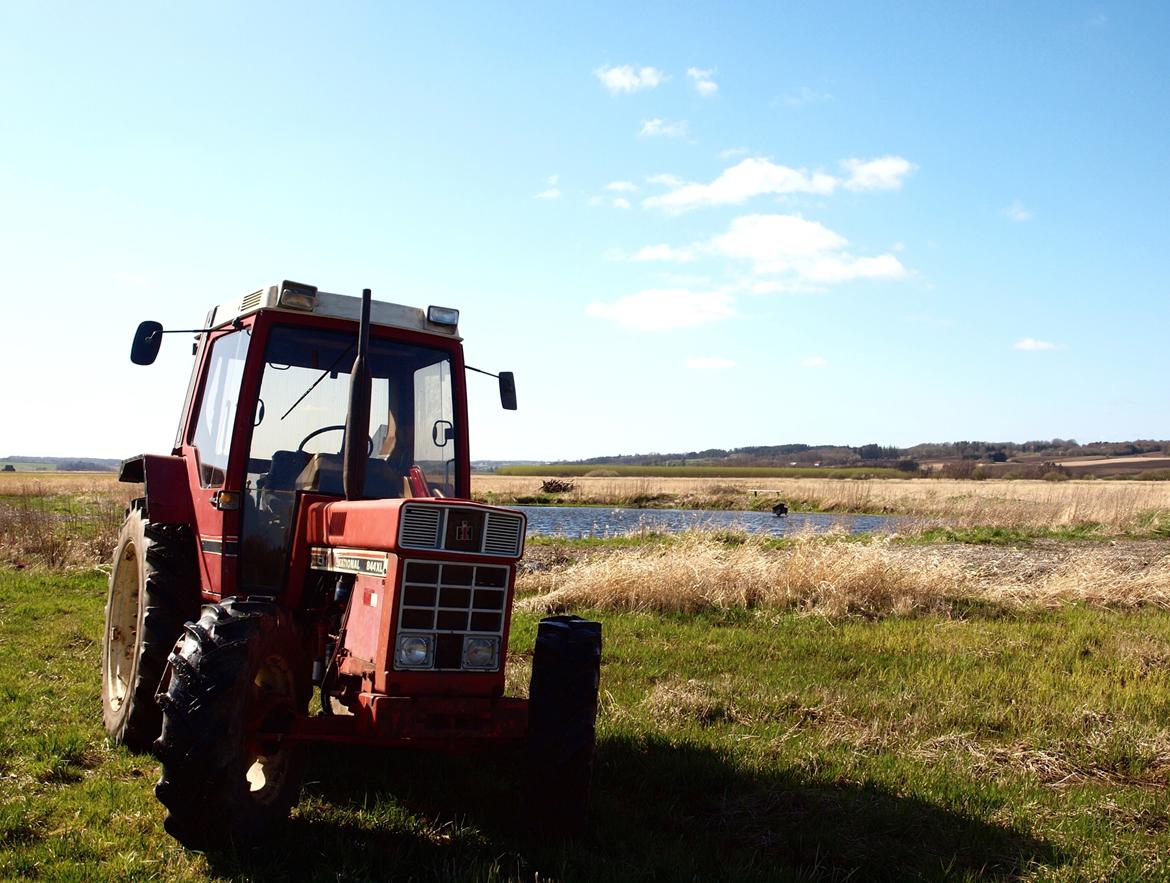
(147, 341)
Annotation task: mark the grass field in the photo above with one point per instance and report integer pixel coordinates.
(762, 744)
(815, 708)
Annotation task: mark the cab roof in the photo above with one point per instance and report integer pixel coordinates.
(283, 295)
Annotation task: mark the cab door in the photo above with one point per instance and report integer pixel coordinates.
(207, 448)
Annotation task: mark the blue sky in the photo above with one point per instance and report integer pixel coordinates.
(681, 225)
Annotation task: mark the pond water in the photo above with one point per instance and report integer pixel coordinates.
(595, 521)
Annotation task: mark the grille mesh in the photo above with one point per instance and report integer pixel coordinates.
(420, 527)
(503, 534)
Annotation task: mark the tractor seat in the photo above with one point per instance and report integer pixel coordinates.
(323, 475)
(284, 470)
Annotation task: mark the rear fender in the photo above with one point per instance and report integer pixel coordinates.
(168, 496)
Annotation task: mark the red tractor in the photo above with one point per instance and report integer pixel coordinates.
(312, 531)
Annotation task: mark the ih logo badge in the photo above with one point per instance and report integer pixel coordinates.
(464, 528)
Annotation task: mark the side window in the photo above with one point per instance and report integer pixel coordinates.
(217, 409)
(434, 436)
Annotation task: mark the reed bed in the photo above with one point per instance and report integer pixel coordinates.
(824, 575)
(1112, 506)
(70, 521)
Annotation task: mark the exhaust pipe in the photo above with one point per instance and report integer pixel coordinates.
(357, 418)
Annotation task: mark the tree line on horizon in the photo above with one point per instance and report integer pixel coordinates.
(887, 455)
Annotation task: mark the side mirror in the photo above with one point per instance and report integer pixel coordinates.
(508, 390)
(147, 340)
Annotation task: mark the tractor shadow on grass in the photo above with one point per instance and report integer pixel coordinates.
(660, 811)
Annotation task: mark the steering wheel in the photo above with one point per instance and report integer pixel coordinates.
(325, 429)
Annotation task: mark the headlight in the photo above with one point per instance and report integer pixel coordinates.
(414, 651)
(481, 653)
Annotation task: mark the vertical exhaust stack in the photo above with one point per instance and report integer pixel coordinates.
(357, 418)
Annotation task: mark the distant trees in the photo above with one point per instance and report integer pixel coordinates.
(1027, 453)
(81, 466)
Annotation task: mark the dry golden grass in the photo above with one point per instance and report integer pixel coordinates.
(61, 519)
(1115, 505)
(826, 576)
(40, 483)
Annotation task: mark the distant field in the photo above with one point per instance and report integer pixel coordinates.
(703, 471)
(1101, 466)
(47, 480)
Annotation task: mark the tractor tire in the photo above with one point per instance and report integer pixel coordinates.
(562, 717)
(240, 669)
(153, 590)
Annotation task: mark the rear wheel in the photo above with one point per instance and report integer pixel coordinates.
(153, 591)
(562, 715)
(238, 680)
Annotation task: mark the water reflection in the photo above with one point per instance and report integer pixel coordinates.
(589, 521)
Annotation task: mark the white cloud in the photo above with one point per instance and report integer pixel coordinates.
(664, 253)
(756, 176)
(1017, 212)
(552, 192)
(814, 362)
(733, 152)
(883, 173)
(663, 128)
(701, 80)
(615, 201)
(846, 268)
(709, 363)
(128, 278)
(622, 186)
(772, 241)
(805, 254)
(628, 79)
(656, 309)
(804, 96)
(747, 178)
(1030, 344)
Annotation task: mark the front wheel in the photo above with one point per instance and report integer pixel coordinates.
(153, 590)
(238, 680)
(562, 716)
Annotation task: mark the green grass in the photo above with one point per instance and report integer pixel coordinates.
(733, 746)
(1008, 536)
(571, 470)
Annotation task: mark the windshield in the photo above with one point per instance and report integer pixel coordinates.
(299, 432)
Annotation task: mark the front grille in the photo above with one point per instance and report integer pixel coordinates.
(451, 601)
(503, 534)
(453, 598)
(420, 527)
(459, 529)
